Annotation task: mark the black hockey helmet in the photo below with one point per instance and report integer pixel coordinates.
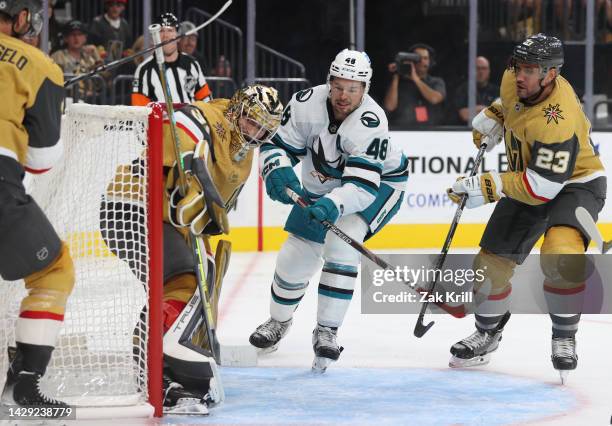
(168, 20)
(34, 7)
(540, 49)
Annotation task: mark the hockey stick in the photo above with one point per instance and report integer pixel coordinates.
(333, 228)
(420, 328)
(119, 62)
(587, 222)
(237, 356)
(370, 255)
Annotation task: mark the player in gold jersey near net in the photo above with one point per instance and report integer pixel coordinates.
(217, 141)
(30, 249)
(553, 168)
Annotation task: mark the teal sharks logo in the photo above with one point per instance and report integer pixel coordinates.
(324, 169)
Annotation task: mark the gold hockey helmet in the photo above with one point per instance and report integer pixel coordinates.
(260, 109)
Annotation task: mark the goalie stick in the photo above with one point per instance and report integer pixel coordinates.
(243, 356)
(586, 221)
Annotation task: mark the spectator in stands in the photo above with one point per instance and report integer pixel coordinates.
(414, 98)
(183, 73)
(111, 31)
(55, 29)
(486, 92)
(78, 57)
(223, 68)
(189, 44)
(524, 18)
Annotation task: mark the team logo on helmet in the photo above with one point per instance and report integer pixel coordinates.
(369, 119)
(553, 113)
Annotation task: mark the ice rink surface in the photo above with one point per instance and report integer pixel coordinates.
(387, 376)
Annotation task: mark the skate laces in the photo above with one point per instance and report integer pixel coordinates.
(563, 347)
(272, 329)
(475, 340)
(326, 336)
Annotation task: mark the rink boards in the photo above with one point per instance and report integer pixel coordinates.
(436, 160)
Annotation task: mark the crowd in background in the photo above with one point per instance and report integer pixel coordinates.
(415, 96)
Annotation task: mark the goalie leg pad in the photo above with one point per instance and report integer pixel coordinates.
(222, 257)
(178, 256)
(186, 362)
(29, 243)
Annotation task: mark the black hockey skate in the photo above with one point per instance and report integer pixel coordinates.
(564, 357)
(27, 393)
(268, 335)
(325, 347)
(476, 349)
(178, 400)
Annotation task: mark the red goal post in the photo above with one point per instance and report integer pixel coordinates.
(108, 358)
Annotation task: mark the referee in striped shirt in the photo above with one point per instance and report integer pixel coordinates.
(183, 73)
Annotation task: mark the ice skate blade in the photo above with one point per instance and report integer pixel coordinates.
(188, 407)
(265, 351)
(472, 362)
(563, 374)
(320, 364)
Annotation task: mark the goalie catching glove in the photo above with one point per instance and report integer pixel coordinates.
(195, 210)
(480, 189)
(488, 127)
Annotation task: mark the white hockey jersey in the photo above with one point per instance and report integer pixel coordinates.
(346, 161)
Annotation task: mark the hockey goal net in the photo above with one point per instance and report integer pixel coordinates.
(109, 350)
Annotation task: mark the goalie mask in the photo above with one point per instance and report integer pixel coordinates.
(351, 65)
(35, 18)
(254, 113)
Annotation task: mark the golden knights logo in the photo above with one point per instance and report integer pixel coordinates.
(219, 129)
(553, 112)
(514, 153)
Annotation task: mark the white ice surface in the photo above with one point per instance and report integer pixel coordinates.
(387, 376)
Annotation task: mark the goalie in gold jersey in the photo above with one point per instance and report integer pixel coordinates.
(553, 169)
(216, 139)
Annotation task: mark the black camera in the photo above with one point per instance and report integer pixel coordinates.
(403, 60)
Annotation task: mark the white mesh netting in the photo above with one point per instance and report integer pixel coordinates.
(100, 358)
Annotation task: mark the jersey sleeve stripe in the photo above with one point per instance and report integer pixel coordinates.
(278, 141)
(361, 183)
(40, 160)
(401, 170)
(372, 176)
(356, 162)
(540, 188)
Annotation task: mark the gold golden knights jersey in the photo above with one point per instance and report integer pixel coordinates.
(547, 144)
(207, 121)
(32, 88)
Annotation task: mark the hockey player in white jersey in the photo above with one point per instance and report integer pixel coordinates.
(353, 175)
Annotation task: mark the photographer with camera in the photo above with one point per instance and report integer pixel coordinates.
(414, 97)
